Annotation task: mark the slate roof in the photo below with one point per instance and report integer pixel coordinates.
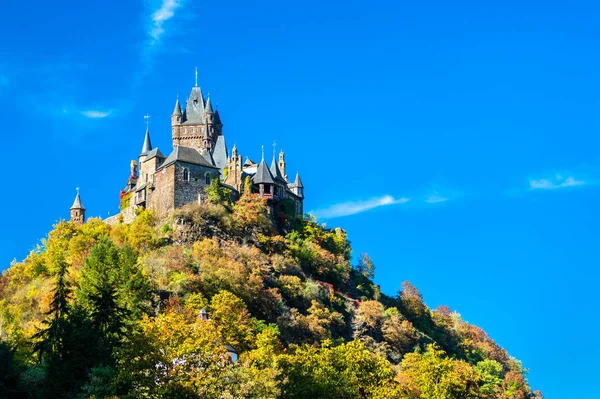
(187, 155)
(154, 153)
(276, 172)
(263, 174)
(194, 107)
(220, 153)
(77, 203)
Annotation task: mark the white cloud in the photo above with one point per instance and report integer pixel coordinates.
(93, 114)
(354, 207)
(162, 15)
(558, 182)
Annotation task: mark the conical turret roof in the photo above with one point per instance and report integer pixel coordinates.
(208, 108)
(177, 110)
(77, 203)
(298, 181)
(263, 174)
(147, 146)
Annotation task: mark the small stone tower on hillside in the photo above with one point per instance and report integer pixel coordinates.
(77, 210)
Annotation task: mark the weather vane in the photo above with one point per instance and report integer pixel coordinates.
(274, 148)
(147, 118)
(263, 152)
(196, 76)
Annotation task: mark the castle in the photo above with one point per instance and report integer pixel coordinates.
(198, 156)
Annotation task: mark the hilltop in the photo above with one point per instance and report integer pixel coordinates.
(230, 300)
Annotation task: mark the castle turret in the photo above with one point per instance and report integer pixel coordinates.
(297, 187)
(77, 210)
(209, 114)
(177, 114)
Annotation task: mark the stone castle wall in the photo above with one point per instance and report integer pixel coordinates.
(194, 188)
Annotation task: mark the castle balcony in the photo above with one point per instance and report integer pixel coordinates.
(140, 195)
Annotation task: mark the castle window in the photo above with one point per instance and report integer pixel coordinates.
(267, 189)
(186, 175)
(192, 130)
(184, 131)
(207, 178)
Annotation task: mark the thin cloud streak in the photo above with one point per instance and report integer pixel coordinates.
(435, 198)
(354, 207)
(556, 183)
(93, 114)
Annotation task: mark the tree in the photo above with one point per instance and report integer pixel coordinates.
(50, 339)
(345, 371)
(217, 194)
(250, 212)
(178, 355)
(112, 293)
(435, 376)
(230, 314)
(365, 266)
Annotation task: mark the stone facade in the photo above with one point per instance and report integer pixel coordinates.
(199, 156)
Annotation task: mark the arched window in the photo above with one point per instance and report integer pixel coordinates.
(184, 131)
(207, 178)
(186, 175)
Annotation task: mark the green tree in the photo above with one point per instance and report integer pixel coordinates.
(112, 293)
(345, 371)
(49, 339)
(435, 376)
(217, 194)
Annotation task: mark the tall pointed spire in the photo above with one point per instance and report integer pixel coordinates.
(275, 170)
(147, 146)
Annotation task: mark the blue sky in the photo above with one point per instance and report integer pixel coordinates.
(457, 142)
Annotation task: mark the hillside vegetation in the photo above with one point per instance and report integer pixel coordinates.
(114, 311)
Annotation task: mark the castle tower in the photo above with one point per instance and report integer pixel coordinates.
(77, 210)
(234, 170)
(281, 164)
(189, 127)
